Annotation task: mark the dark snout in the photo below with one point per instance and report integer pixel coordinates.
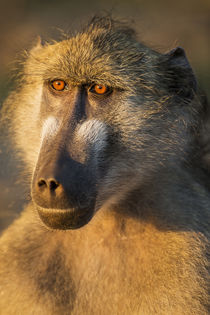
(63, 190)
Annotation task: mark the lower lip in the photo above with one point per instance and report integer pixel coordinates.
(65, 219)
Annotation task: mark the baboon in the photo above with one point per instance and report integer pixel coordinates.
(111, 133)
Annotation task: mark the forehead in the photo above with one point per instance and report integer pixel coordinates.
(99, 56)
(81, 60)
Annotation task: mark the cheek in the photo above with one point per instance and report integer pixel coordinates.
(92, 133)
(50, 128)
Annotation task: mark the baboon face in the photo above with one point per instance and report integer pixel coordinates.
(105, 114)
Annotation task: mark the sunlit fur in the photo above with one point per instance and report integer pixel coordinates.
(50, 128)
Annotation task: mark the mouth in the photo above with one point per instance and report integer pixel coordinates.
(65, 219)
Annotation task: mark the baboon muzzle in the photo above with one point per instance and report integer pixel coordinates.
(63, 190)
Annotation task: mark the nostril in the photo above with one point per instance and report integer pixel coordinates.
(53, 184)
(50, 184)
(42, 183)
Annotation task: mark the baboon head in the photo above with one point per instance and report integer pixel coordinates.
(97, 115)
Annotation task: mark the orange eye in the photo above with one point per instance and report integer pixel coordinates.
(58, 85)
(99, 89)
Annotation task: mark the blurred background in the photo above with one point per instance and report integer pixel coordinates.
(161, 24)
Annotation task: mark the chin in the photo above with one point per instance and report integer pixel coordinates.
(65, 219)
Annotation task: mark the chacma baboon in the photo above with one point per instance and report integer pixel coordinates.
(110, 131)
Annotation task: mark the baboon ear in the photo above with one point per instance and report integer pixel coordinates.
(183, 79)
(38, 45)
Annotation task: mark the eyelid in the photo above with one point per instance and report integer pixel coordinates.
(60, 86)
(95, 85)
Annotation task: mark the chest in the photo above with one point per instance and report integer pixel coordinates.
(126, 274)
(119, 273)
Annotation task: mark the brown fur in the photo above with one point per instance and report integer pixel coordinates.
(146, 249)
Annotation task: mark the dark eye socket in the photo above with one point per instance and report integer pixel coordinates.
(100, 89)
(58, 85)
